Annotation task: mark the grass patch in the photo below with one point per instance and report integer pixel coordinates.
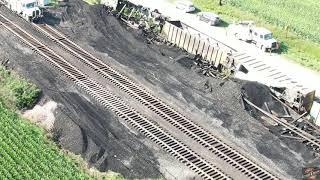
(17, 92)
(300, 43)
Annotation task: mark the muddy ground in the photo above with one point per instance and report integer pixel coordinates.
(84, 128)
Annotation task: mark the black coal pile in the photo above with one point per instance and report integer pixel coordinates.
(80, 125)
(261, 96)
(175, 77)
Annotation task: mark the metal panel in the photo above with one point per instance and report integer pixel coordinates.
(223, 57)
(183, 37)
(187, 41)
(191, 45)
(205, 50)
(179, 37)
(173, 35)
(218, 58)
(196, 46)
(214, 55)
(201, 47)
(171, 28)
(166, 30)
(209, 54)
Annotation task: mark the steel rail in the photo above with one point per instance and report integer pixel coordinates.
(303, 134)
(163, 138)
(193, 130)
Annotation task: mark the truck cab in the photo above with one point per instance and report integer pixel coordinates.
(28, 9)
(247, 31)
(263, 39)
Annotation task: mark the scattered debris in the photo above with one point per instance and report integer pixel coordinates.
(106, 35)
(262, 104)
(4, 62)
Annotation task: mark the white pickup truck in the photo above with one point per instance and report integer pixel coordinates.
(247, 31)
(28, 9)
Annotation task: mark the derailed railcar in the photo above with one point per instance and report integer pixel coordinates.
(28, 9)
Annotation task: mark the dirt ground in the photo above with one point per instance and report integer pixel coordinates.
(84, 128)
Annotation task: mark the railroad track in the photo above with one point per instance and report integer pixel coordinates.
(308, 138)
(173, 146)
(176, 119)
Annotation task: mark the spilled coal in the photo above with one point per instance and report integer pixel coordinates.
(98, 138)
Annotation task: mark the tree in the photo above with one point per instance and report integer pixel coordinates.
(220, 2)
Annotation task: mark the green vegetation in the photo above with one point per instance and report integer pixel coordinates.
(53, 3)
(26, 154)
(92, 2)
(302, 17)
(25, 150)
(16, 92)
(294, 23)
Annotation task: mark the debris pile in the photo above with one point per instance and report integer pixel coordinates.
(155, 66)
(261, 97)
(208, 69)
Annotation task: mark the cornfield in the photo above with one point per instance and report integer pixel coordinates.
(301, 17)
(26, 154)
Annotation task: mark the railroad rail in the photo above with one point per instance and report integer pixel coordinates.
(173, 146)
(309, 139)
(185, 125)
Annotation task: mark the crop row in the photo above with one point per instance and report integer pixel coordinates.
(26, 154)
(301, 17)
